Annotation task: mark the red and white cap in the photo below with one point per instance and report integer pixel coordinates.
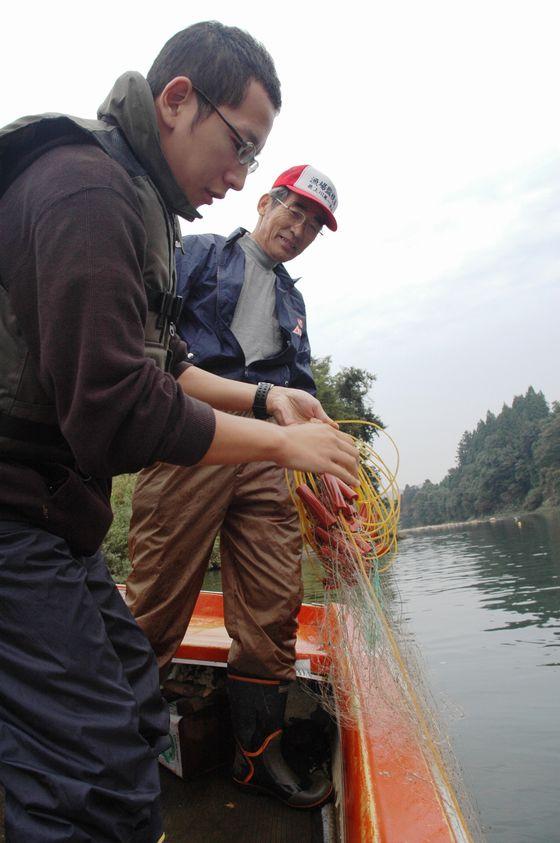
(307, 181)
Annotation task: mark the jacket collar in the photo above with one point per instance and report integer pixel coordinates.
(130, 106)
(279, 269)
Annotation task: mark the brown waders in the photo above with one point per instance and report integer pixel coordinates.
(177, 513)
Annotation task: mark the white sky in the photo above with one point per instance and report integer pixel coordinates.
(439, 124)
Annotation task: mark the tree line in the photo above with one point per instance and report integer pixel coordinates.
(509, 461)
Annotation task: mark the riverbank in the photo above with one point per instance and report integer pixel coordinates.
(512, 515)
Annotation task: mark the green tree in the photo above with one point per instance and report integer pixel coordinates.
(345, 395)
(546, 451)
(507, 461)
(115, 546)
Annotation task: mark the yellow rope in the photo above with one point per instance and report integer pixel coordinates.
(378, 503)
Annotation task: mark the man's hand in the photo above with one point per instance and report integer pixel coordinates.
(293, 406)
(318, 448)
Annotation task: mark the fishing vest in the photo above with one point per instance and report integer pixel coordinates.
(29, 428)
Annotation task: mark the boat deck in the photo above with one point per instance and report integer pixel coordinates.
(211, 809)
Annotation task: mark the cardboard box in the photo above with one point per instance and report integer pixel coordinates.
(171, 758)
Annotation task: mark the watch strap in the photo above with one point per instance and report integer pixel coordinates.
(259, 402)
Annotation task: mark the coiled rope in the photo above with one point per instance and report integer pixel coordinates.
(350, 530)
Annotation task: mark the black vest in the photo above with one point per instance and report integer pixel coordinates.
(28, 425)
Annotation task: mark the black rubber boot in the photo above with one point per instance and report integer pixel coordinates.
(257, 712)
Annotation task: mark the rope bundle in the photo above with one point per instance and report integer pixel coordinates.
(350, 530)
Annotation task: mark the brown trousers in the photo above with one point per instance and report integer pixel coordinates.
(177, 513)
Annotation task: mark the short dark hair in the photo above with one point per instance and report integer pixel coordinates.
(220, 60)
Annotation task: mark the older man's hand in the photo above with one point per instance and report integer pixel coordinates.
(293, 406)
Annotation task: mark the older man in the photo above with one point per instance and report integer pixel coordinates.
(243, 318)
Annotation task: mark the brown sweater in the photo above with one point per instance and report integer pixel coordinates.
(72, 247)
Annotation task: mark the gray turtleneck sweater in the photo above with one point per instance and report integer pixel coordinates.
(255, 324)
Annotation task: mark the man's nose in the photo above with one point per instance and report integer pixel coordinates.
(236, 178)
(297, 227)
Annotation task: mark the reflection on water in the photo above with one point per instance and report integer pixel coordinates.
(483, 604)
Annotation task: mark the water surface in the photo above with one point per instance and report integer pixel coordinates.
(483, 604)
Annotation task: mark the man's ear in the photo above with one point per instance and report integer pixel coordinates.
(264, 203)
(177, 95)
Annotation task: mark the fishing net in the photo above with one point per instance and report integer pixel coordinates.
(350, 539)
(374, 682)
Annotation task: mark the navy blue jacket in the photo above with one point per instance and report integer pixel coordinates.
(210, 275)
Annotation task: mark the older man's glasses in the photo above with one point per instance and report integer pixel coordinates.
(246, 150)
(311, 227)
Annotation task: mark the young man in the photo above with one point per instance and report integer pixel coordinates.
(243, 318)
(93, 384)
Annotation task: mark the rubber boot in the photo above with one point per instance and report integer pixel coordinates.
(257, 712)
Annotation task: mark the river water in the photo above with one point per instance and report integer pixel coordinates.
(483, 605)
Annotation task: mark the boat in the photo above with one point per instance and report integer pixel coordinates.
(390, 784)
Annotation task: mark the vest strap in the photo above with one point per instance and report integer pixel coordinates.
(166, 305)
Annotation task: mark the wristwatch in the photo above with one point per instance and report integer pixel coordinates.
(259, 403)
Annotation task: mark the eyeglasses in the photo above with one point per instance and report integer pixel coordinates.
(310, 227)
(246, 150)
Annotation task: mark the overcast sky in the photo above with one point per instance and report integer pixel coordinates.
(439, 124)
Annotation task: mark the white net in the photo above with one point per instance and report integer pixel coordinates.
(374, 682)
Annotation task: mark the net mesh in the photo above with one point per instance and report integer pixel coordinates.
(350, 540)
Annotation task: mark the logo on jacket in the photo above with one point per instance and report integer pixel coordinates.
(299, 328)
